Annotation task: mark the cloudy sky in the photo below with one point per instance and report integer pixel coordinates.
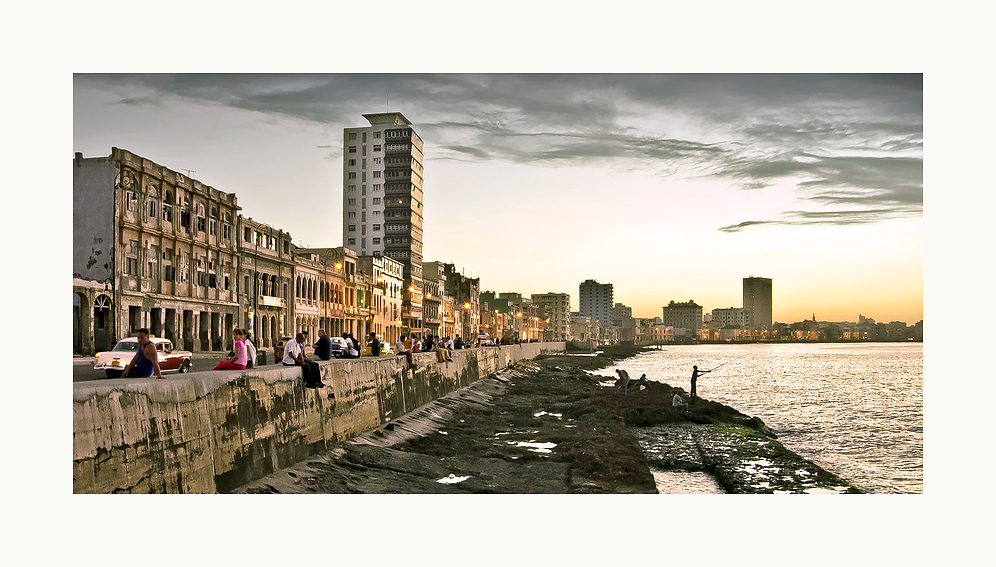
(670, 187)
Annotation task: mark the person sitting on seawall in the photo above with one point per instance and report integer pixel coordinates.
(237, 360)
(294, 356)
(146, 360)
(403, 346)
(356, 345)
(250, 350)
(458, 343)
(350, 351)
(679, 403)
(374, 344)
(323, 348)
(442, 353)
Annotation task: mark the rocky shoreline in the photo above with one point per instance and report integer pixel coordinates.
(548, 426)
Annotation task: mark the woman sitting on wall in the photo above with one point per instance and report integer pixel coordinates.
(237, 361)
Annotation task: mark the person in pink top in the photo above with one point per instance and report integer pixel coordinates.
(238, 359)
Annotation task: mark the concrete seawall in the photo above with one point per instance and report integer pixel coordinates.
(207, 432)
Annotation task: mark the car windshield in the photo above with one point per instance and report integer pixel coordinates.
(129, 346)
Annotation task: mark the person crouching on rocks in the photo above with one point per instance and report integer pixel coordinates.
(679, 403)
(623, 381)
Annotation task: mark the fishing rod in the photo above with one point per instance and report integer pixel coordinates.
(720, 366)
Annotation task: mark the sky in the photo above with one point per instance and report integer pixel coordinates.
(671, 187)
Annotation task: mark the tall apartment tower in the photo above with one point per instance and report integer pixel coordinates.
(382, 201)
(757, 301)
(596, 301)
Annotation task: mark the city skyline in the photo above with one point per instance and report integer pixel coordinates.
(669, 187)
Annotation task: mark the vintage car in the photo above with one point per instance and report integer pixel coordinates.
(385, 349)
(113, 361)
(339, 347)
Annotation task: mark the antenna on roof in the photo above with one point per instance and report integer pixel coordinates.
(389, 103)
(189, 171)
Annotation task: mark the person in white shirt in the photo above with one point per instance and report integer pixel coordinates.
(250, 350)
(294, 356)
(679, 403)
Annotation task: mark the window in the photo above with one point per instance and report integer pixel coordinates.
(352, 149)
(351, 228)
(376, 213)
(153, 210)
(351, 188)
(376, 227)
(377, 161)
(184, 267)
(226, 232)
(352, 175)
(376, 175)
(213, 227)
(351, 215)
(376, 186)
(351, 202)
(352, 135)
(376, 241)
(169, 273)
(130, 200)
(376, 135)
(352, 162)
(376, 200)
(200, 218)
(377, 147)
(352, 241)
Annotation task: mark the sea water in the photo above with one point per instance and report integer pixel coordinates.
(854, 409)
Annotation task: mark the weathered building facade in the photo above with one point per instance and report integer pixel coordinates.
(151, 248)
(265, 280)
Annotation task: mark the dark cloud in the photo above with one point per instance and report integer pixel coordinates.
(808, 218)
(843, 140)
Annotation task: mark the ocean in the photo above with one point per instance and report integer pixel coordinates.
(854, 409)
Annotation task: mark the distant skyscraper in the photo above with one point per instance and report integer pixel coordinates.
(596, 301)
(382, 200)
(757, 300)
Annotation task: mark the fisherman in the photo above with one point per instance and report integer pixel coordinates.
(695, 375)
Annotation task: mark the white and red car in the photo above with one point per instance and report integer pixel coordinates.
(113, 361)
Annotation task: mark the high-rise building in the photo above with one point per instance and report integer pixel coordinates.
(595, 301)
(382, 201)
(686, 318)
(757, 301)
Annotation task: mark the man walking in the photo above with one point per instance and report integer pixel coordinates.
(695, 375)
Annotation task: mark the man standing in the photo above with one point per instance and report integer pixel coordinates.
(146, 359)
(294, 356)
(695, 375)
(323, 348)
(458, 342)
(374, 344)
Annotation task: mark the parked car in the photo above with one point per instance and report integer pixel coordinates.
(113, 361)
(339, 346)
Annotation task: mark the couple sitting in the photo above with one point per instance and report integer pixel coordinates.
(242, 356)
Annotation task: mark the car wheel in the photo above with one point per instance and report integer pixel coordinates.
(185, 367)
(113, 373)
